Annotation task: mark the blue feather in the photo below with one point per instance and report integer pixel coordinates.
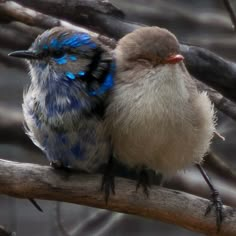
(81, 73)
(107, 84)
(73, 57)
(54, 43)
(61, 61)
(70, 75)
(78, 151)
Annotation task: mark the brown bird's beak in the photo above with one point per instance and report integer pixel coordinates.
(173, 59)
(24, 54)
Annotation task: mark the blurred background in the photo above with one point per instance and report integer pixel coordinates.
(204, 23)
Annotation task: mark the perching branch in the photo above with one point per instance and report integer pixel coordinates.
(34, 181)
(12, 132)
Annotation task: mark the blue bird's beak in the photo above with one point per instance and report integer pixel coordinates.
(26, 54)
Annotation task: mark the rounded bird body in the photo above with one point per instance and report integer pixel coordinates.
(65, 102)
(156, 116)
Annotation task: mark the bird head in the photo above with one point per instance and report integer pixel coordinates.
(61, 54)
(151, 46)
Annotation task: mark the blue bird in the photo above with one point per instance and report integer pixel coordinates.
(71, 75)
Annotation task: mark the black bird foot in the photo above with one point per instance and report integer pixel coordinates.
(57, 165)
(108, 185)
(108, 180)
(216, 202)
(144, 181)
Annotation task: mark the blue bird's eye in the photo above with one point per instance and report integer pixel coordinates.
(58, 54)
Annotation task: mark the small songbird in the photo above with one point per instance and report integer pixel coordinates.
(71, 73)
(156, 116)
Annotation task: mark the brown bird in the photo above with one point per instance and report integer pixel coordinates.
(156, 116)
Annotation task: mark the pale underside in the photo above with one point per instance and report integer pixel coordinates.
(62, 132)
(159, 121)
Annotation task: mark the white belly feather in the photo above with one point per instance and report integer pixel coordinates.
(155, 122)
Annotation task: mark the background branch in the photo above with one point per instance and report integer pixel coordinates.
(230, 10)
(34, 181)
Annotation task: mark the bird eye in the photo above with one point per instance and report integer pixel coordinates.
(58, 54)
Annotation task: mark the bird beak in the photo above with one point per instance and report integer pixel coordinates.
(26, 54)
(173, 59)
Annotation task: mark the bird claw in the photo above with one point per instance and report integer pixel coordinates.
(108, 184)
(143, 181)
(58, 165)
(216, 202)
(108, 180)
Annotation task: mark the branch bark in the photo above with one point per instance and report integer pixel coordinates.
(34, 181)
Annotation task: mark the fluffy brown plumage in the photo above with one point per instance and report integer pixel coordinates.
(156, 116)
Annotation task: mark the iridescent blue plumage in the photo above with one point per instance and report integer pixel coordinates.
(63, 108)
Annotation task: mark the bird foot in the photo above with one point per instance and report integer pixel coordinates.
(108, 180)
(144, 181)
(57, 165)
(216, 202)
(108, 184)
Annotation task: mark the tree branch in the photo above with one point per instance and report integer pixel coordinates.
(34, 181)
(12, 11)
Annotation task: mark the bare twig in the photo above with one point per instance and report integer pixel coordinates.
(34, 181)
(230, 10)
